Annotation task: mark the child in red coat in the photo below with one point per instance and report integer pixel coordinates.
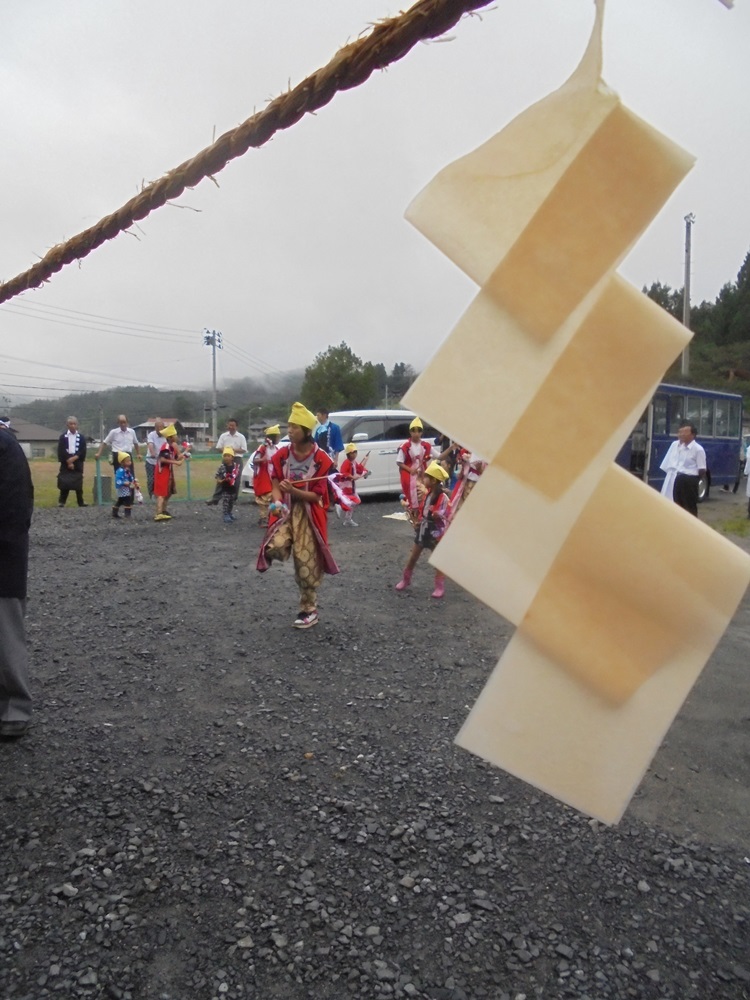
(351, 470)
(432, 523)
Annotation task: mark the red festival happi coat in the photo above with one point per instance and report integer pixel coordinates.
(347, 471)
(409, 482)
(317, 482)
(262, 471)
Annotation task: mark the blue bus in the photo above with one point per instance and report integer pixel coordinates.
(716, 415)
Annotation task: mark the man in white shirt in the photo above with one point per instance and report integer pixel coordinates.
(231, 438)
(684, 464)
(121, 438)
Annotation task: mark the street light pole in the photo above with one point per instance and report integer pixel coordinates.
(212, 339)
(685, 362)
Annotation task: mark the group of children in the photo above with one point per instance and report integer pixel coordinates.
(293, 485)
(126, 485)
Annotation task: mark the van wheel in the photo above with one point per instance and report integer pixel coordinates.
(704, 488)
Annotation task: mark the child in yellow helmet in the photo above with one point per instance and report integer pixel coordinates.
(432, 522)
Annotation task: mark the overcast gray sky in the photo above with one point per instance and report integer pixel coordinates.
(304, 243)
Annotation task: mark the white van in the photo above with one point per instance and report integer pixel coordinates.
(378, 435)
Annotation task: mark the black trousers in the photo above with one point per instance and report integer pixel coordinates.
(64, 497)
(685, 492)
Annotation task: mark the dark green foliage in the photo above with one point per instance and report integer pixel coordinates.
(720, 349)
(339, 380)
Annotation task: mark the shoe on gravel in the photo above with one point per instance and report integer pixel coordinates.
(163, 517)
(13, 730)
(306, 619)
(228, 519)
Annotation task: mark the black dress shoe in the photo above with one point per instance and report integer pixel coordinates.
(13, 730)
(83, 505)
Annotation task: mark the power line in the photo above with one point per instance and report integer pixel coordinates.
(30, 311)
(78, 325)
(48, 378)
(118, 378)
(239, 354)
(109, 319)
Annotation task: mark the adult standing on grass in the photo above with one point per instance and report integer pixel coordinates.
(121, 438)
(154, 441)
(71, 454)
(16, 506)
(231, 438)
(297, 523)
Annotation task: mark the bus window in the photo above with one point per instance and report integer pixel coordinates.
(638, 446)
(721, 428)
(706, 424)
(735, 414)
(676, 413)
(660, 415)
(693, 410)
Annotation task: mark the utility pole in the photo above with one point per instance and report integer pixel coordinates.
(212, 339)
(685, 363)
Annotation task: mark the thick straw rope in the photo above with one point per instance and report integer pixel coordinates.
(388, 41)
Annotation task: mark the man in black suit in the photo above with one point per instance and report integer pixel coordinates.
(71, 454)
(16, 506)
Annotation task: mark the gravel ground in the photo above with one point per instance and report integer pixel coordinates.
(214, 805)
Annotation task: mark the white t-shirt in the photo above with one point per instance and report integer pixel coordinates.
(687, 459)
(120, 440)
(236, 441)
(154, 438)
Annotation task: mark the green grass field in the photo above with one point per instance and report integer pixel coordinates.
(735, 526)
(193, 483)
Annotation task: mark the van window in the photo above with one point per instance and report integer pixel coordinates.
(373, 427)
(398, 430)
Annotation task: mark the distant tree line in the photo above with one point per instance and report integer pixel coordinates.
(339, 380)
(246, 399)
(720, 349)
(336, 380)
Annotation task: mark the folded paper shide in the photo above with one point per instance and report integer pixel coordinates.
(540, 216)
